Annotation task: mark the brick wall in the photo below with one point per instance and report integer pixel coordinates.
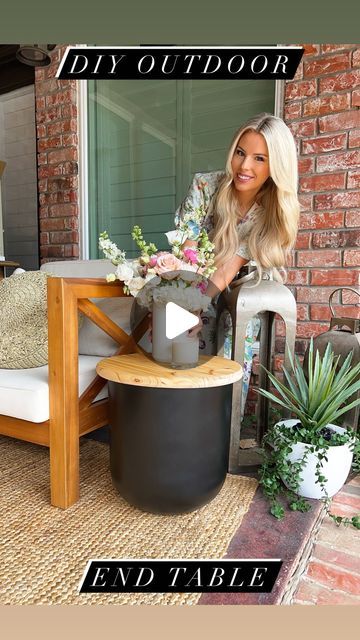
(57, 146)
(322, 110)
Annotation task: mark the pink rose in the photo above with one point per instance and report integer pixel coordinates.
(153, 260)
(167, 262)
(191, 255)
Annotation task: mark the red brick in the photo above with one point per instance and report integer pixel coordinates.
(339, 537)
(46, 172)
(59, 210)
(303, 240)
(311, 49)
(337, 557)
(336, 239)
(297, 90)
(339, 82)
(45, 144)
(321, 220)
(342, 311)
(42, 185)
(62, 155)
(40, 103)
(47, 86)
(324, 143)
(303, 127)
(292, 111)
(328, 182)
(63, 183)
(39, 74)
(71, 250)
(352, 219)
(306, 165)
(299, 72)
(61, 97)
(334, 277)
(44, 238)
(336, 161)
(328, 104)
(50, 251)
(41, 158)
(355, 98)
(337, 200)
(41, 130)
(320, 312)
(302, 311)
(352, 258)
(349, 298)
(64, 237)
(356, 58)
(43, 212)
(70, 140)
(69, 111)
(305, 202)
(62, 126)
(327, 48)
(339, 121)
(341, 509)
(353, 179)
(310, 329)
(59, 224)
(309, 592)
(319, 258)
(58, 197)
(334, 578)
(49, 115)
(315, 294)
(297, 276)
(326, 64)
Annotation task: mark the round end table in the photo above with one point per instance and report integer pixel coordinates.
(170, 430)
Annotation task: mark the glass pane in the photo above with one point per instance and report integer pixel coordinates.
(148, 137)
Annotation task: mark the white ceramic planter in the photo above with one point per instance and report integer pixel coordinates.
(335, 469)
(161, 345)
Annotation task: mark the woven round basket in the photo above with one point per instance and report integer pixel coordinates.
(23, 321)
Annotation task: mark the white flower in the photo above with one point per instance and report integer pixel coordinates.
(124, 272)
(135, 285)
(111, 277)
(176, 236)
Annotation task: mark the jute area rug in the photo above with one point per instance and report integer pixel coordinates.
(44, 550)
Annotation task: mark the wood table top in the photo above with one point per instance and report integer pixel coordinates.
(140, 370)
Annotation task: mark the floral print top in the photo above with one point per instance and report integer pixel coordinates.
(202, 195)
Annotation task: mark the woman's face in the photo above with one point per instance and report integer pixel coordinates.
(250, 164)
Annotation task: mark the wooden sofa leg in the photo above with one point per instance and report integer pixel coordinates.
(64, 465)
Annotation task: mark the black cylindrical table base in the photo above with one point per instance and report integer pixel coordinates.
(169, 448)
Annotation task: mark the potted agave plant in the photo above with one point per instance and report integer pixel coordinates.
(310, 456)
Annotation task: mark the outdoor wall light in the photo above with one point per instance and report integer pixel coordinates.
(35, 55)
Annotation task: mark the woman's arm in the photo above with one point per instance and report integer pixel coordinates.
(219, 281)
(224, 275)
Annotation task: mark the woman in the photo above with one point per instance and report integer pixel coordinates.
(251, 210)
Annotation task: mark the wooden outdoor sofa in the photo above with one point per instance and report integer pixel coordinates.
(69, 416)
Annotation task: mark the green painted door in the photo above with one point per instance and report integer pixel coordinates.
(146, 140)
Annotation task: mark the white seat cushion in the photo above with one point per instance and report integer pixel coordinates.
(24, 393)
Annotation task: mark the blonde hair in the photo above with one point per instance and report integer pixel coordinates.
(274, 232)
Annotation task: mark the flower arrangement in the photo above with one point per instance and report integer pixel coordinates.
(178, 276)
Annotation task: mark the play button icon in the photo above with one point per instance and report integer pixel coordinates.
(178, 320)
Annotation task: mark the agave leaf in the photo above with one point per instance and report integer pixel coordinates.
(277, 400)
(294, 389)
(326, 419)
(301, 381)
(284, 392)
